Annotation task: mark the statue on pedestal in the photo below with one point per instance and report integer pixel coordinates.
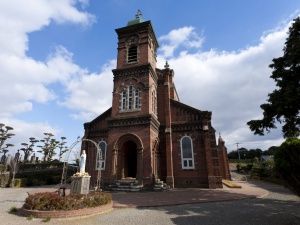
(82, 163)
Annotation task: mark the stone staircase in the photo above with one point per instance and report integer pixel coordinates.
(126, 184)
(131, 184)
(159, 185)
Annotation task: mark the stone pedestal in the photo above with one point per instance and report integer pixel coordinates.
(80, 185)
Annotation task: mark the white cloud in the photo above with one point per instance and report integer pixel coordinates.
(185, 36)
(230, 84)
(91, 93)
(23, 79)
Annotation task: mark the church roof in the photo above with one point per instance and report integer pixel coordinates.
(138, 19)
(135, 21)
(187, 107)
(100, 117)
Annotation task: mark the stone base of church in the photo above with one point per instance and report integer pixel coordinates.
(215, 182)
(198, 182)
(80, 185)
(170, 181)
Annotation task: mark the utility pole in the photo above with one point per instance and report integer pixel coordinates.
(237, 149)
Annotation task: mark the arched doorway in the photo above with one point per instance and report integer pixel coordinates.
(130, 159)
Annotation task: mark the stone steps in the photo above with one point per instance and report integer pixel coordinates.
(159, 185)
(133, 185)
(125, 185)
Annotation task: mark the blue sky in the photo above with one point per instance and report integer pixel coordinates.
(57, 56)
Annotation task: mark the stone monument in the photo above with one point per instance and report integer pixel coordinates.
(80, 182)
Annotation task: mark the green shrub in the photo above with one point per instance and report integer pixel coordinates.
(16, 184)
(23, 181)
(249, 166)
(47, 219)
(41, 166)
(4, 179)
(43, 177)
(3, 167)
(19, 182)
(53, 201)
(31, 217)
(56, 179)
(241, 167)
(13, 209)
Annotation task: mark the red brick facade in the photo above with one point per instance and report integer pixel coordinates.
(147, 131)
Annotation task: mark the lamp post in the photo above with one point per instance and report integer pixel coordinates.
(237, 149)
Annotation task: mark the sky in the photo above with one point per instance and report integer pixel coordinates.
(56, 58)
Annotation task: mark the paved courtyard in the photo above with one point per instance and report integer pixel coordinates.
(256, 203)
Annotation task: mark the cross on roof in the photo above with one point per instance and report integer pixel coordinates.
(138, 14)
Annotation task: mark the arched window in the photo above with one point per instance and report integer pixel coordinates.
(130, 99)
(100, 163)
(187, 155)
(137, 98)
(132, 53)
(154, 102)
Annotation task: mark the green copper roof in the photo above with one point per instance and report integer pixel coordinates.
(135, 21)
(138, 19)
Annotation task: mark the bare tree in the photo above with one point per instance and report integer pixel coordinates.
(14, 167)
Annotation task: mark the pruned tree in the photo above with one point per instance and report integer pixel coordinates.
(283, 103)
(28, 148)
(4, 135)
(48, 149)
(62, 148)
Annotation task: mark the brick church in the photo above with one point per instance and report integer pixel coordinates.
(148, 134)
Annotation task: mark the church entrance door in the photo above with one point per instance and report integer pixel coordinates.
(130, 159)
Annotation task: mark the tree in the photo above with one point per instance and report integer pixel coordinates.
(233, 155)
(49, 147)
(62, 148)
(283, 103)
(254, 153)
(287, 162)
(270, 151)
(14, 167)
(4, 135)
(28, 148)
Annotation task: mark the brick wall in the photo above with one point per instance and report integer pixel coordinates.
(67, 213)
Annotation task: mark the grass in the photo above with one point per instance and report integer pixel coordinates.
(231, 184)
(13, 209)
(31, 217)
(47, 219)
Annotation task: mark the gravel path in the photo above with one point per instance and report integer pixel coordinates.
(279, 207)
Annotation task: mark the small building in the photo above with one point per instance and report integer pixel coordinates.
(148, 133)
(264, 158)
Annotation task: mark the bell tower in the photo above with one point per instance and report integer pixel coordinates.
(133, 124)
(137, 43)
(135, 78)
